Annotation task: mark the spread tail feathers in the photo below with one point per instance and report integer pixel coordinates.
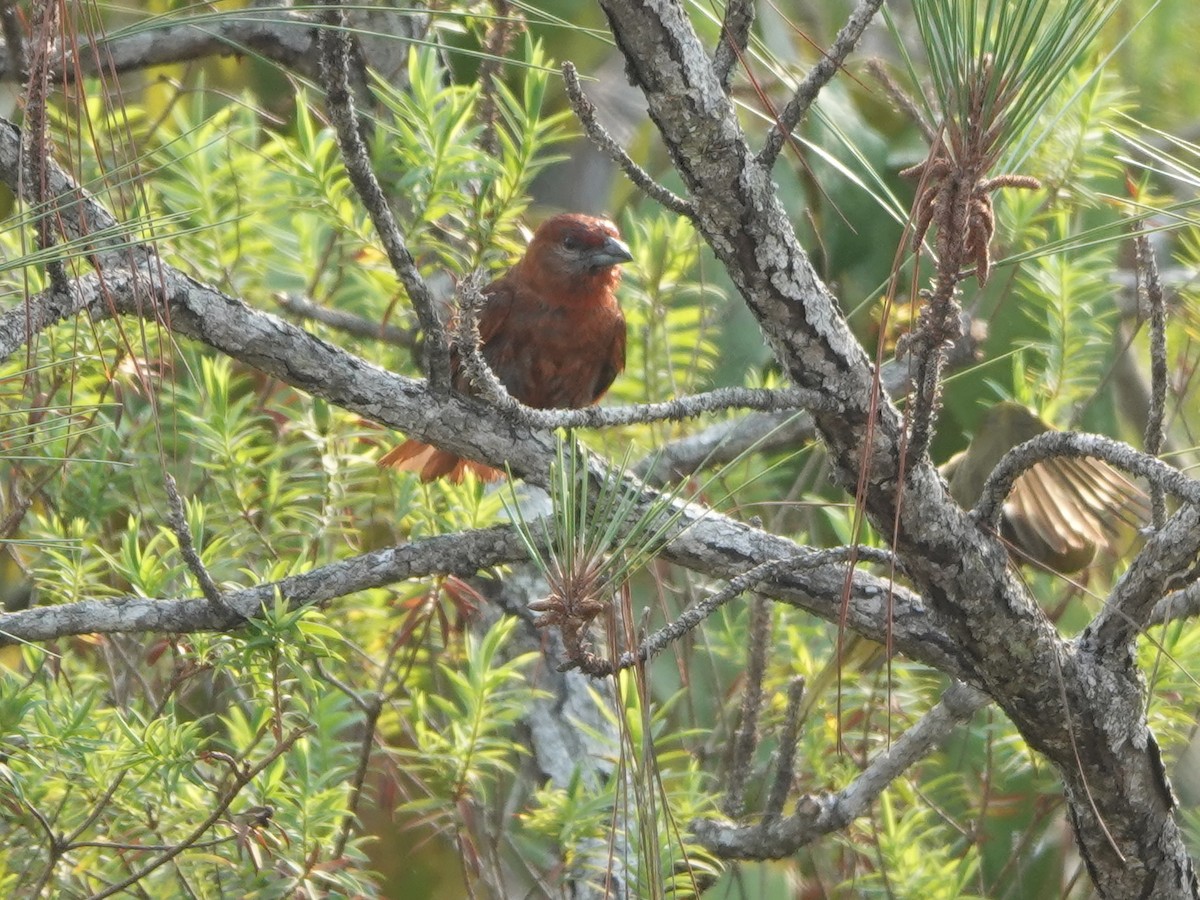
(431, 463)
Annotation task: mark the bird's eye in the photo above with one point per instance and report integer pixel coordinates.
(571, 242)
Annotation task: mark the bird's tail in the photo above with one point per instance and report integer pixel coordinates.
(431, 463)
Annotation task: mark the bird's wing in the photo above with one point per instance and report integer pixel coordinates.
(1116, 502)
(1042, 528)
(516, 334)
(614, 364)
(500, 294)
(1063, 510)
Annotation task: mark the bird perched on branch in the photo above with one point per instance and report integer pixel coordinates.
(550, 328)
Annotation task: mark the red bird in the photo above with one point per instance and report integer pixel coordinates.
(550, 328)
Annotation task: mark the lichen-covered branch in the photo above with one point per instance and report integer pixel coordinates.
(1078, 705)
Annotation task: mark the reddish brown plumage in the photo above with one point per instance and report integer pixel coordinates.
(551, 329)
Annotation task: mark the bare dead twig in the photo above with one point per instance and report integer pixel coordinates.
(903, 102)
(815, 816)
(745, 739)
(1076, 444)
(335, 51)
(785, 757)
(691, 617)
(489, 386)
(735, 37)
(504, 24)
(1150, 284)
(36, 141)
(356, 326)
(820, 75)
(586, 113)
(177, 519)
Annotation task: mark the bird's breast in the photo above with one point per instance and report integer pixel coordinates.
(553, 357)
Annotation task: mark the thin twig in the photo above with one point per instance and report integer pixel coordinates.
(816, 816)
(725, 441)
(20, 506)
(718, 400)
(496, 44)
(903, 102)
(1074, 444)
(149, 848)
(54, 848)
(1150, 283)
(490, 388)
(1167, 561)
(71, 840)
(691, 617)
(785, 757)
(370, 723)
(36, 142)
(335, 50)
(373, 708)
(585, 110)
(735, 37)
(745, 739)
(820, 75)
(177, 519)
(240, 780)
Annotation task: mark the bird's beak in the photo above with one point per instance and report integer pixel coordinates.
(611, 253)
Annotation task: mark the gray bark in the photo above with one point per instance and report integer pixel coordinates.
(1079, 703)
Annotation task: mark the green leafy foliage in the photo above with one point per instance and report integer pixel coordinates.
(1073, 312)
(114, 749)
(461, 725)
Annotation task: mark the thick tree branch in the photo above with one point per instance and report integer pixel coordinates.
(1170, 551)
(273, 346)
(280, 35)
(1083, 712)
(89, 227)
(275, 34)
(1181, 604)
(460, 554)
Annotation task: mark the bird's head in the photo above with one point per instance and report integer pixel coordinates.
(572, 253)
